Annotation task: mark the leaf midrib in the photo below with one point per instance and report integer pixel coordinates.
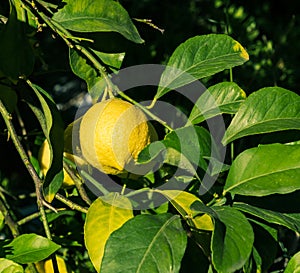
(241, 134)
(154, 240)
(259, 176)
(195, 65)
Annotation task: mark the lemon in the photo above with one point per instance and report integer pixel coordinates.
(112, 133)
(62, 267)
(44, 160)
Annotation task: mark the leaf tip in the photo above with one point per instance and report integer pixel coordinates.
(243, 53)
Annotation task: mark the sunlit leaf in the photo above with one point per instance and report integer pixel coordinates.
(294, 264)
(30, 248)
(267, 110)
(199, 57)
(224, 97)
(146, 244)
(105, 215)
(8, 266)
(97, 16)
(265, 170)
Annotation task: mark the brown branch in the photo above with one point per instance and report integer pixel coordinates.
(78, 184)
(37, 181)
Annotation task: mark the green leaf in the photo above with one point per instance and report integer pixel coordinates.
(232, 240)
(8, 266)
(30, 248)
(267, 110)
(84, 69)
(16, 53)
(146, 244)
(199, 57)
(97, 16)
(2, 221)
(294, 264)
(224, 97)
(106, 214)
(185, 147)
(265, 170)
(53, 128)
(289, 220)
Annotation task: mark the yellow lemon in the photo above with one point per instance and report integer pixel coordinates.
(44, 160)
(62, 267)
(112, 133)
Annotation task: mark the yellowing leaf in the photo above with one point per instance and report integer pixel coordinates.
(203, 222)
(182, 201)
(243, 53)
(106, 214)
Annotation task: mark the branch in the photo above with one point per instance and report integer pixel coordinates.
(13, 226)
(78, 184)
(70, 204)
(37, 181)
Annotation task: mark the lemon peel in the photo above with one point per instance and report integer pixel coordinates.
(112, 133)
(62, 267)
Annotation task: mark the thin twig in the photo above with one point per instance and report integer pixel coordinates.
(70, 204)
(34, 216)
(13, 226)
(78, 184)
(37, 181)
(150, 114)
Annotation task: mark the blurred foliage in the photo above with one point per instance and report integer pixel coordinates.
(269, 30)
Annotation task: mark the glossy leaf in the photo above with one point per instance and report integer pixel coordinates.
(182, 201)
(53, 128)
(185, 147)
(224, 97)
(265, 170)
(105, 215)
(85, 70)
(16, 53)
(232, 238)
(97, 16)
(294, 264)
(30, 248)
(199, 57)
(267, 110)
(8, 266)
(289, 220)
(146, 244)
(2, 220)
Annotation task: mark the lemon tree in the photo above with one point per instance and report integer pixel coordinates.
(209, 183)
